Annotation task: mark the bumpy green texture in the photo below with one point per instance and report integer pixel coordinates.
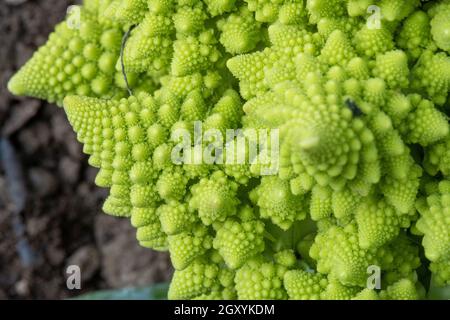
(358, 180)
(434, 224)
(79, 58)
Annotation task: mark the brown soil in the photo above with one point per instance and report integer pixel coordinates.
(50, 210)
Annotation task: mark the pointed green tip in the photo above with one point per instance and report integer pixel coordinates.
(16, 85)
(309, 142)
(68, 102)
(71, 102)
(232, 64)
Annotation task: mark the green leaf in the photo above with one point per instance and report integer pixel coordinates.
(438, 293)
(155, 292)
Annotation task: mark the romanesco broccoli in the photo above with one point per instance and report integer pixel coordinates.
(361, 105)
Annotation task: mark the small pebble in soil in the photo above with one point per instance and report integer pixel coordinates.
(69, 170)
(42, 181)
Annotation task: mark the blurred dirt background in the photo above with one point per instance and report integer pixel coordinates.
(50, 210)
